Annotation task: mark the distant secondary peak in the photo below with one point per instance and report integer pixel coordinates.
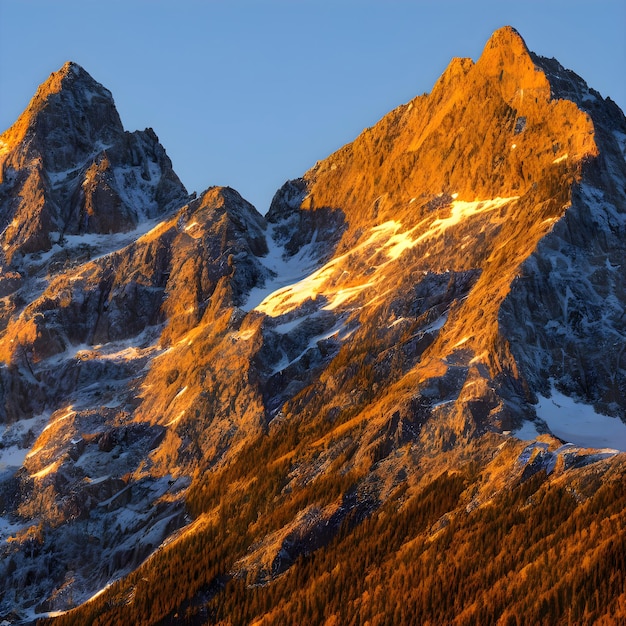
(67, 92)
(71, 115)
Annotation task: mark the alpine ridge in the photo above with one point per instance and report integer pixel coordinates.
(407, 377)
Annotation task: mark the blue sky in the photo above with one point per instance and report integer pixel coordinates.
(252, 93)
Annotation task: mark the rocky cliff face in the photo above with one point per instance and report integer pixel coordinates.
(67, 167)
(479, 178)
(565, 312)
(184, 370)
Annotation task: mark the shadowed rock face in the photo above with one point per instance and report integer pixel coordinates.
(67, 167)
(69, 116)
(393, 316)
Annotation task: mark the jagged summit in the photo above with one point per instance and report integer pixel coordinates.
(73, 77)
(68, 167)
(507, 38)
(460, 138)
(506, 58)
(505, 49)
(69, 114)
(73, 68)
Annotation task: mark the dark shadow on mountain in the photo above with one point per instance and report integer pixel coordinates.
(298, 222)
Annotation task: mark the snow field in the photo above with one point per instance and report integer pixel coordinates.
(579, 423)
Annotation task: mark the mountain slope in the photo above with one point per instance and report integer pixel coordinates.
(267, 408)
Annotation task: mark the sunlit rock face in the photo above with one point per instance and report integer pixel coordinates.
(478, 177)
(400, 309)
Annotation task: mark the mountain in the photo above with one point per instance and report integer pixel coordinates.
(407, 377)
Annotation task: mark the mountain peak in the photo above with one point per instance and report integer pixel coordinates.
(73, 77)
(505, 46)
(70, 148)
(507, 58)
(68, 103)
(71, 67)
(506, 37)
(68, 70)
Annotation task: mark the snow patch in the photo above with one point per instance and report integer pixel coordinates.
(194, 230)
(283, 270)
(286, 327)
(15, 438)
(528, 431)
(460, 342)
(579, 423)
(437, 324)
(46, 470)
(462, 210)
(398, 242)
(68, 413)
(89, 246)
(397, 321)
(181, 392)
(339, 331)
(8, 528)
(479, 358)
(12, 457)
(296, 281)
(176, 419)
(136, 192)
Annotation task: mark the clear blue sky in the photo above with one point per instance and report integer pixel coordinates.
(250, 94)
